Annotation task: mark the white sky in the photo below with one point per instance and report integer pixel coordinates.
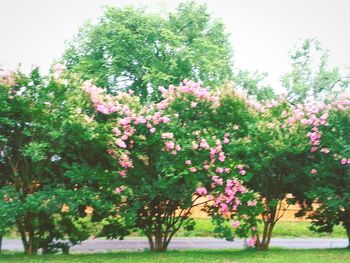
(262, 31)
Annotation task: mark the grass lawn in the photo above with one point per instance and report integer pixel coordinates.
(202, 256)
(205, 228)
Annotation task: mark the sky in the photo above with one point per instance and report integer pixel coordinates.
(33, 32)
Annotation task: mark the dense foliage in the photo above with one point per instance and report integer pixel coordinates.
(133, 49)
(168, 156)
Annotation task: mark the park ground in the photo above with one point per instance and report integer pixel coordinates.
(204, 228)
(202, 256)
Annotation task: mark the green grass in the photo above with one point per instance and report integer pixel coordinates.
(202, 256)
(205, 228)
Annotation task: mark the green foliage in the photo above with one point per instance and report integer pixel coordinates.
(311, 76)
(330, 187)
(133, 49)
(44, 132)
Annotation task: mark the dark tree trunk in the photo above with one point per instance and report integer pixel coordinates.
(270, 218)
(0, 243)
(347, 228)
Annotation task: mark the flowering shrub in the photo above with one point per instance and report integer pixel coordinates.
(329, 162)
(273, 148)
(43, 136)
(168, 156)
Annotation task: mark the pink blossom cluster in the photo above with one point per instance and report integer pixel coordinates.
(241, 169)
(7, 76)
(120, 189)
(228, 200)
(187, 87)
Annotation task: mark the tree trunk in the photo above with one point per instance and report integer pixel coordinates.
(270, 219)
(157, 243)
(0, 243)
(347, 228)
(263, 242)
(29, 243)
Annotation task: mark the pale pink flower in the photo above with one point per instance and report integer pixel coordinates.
(170, 145)
(251, 242)
(343, 161)
(242, 172)
(102, 108)
(121, 143)
(203, 144)
(325, 150)
(167, 135)
(122, 173)
(235, 127)
(252, 203)
(202, 191)
(152, 130)
(188, 162)
(313, 171)
(193, 169)
(235, 224)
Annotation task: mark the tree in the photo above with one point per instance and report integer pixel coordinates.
(42, 135)
(329, 167)
(133, 49)
(253, 84)
(168, 155)
(273, 149)
(311, 76)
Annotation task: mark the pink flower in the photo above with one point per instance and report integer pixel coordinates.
(164, 119)
(152, 130)
(202, 191)
(343, 161)
(313, 171)
(221, 157)
(325, 150)
(194, 146)
(122, 173)
(240, 166)
(170, 145)
(140, 119)
(193, 170)
(167, 135)
(242, 172)
(203, 144)
(102, 108)
(116, 131)
(252, 203)
(124, 137)
(124, 121)
(194, 104)
(226, 140)
(118, 190)
(235, 224)
(121, 143)
(219, 170)
(251, 242)
(188, 162)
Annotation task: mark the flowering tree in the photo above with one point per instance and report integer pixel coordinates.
(42, 136)
(329, 165)
(273, 150)
(168, 156)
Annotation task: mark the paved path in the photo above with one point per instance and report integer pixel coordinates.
(101, 245)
